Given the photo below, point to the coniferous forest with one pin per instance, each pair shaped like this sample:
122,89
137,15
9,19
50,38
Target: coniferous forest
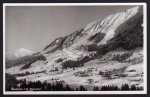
12,84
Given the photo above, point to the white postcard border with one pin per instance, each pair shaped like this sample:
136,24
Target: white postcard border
77,92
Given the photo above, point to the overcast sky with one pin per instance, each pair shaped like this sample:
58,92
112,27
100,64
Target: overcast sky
35,27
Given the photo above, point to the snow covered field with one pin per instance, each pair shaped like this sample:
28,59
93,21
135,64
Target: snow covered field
133,71
107,63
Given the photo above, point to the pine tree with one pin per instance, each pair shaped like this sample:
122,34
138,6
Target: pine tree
77,89
82,88
48,88
67,88
133,87
95,88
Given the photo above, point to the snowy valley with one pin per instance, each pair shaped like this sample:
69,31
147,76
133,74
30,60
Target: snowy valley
105,52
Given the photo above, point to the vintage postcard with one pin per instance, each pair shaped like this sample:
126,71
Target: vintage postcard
74,48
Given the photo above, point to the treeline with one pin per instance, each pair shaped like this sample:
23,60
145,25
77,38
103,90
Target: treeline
12,83
28,73
122,57
76,63
27,60
58,86
71,64
133,38
124,87
99,51
18,61
92,47
32,60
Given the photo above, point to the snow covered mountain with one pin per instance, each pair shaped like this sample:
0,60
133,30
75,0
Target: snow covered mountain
112,32
112,44
22,52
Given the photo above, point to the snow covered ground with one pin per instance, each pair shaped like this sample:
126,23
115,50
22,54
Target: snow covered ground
116,72
132,69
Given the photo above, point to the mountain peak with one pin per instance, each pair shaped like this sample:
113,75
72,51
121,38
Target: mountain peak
23,52
134,8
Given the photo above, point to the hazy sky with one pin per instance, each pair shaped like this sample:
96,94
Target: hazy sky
35,27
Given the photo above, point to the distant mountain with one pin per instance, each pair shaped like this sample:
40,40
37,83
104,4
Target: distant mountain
10,56
23,52
21,55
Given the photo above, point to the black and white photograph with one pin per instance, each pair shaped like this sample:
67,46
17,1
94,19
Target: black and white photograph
74,48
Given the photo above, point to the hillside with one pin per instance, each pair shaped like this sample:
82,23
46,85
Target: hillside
108,51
